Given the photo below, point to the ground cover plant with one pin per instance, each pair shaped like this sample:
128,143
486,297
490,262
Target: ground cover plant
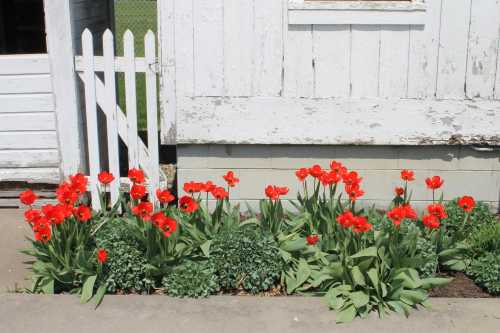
358,259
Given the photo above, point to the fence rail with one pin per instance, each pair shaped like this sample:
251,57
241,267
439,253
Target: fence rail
119,123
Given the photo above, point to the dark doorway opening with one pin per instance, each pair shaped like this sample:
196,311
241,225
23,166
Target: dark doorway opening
22,27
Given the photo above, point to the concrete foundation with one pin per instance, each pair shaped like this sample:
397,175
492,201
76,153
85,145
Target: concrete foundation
464,170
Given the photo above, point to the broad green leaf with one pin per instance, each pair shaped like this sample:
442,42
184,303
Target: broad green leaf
303,272
205,248
434,282
357,276
99,295
346,315
413,297
333,299
368,252
359,299
294,245
455,265
291,284
88,289
373,276
47,286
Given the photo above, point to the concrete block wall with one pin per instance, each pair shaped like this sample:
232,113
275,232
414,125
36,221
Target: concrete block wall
464,170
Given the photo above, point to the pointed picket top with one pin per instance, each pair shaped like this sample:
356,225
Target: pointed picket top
149,45
108,35
87,39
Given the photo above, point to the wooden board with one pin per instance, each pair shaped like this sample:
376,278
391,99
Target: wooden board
30,175
24,64
28,140
26,103
483,48
268,47
298,67
394,44
337,121
238,47
36,121
452,65
208,47
365,60
29,158
332,56
25,84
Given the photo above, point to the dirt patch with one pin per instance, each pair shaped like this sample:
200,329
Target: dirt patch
460,287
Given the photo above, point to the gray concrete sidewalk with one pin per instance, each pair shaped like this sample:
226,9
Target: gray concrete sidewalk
13,230
38,313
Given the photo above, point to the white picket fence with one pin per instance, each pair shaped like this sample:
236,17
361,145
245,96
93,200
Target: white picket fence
119,123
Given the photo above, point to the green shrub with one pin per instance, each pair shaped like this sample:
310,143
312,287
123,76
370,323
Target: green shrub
480,216
426,249
191,279
485,240
246,259
485,271
125,268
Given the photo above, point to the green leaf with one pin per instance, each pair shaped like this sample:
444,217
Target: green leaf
413,297
346,315
205,248
455,265
357,276
88,289
99,295
333,299
434,282
303,272
294,245
359,299
368,252
47,286
373,276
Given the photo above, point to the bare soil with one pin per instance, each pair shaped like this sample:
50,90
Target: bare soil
460,287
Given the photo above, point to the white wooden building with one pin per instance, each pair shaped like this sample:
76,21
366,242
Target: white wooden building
266,86
41,128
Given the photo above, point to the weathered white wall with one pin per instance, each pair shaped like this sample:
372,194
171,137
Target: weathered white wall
28,136
464,170
230,64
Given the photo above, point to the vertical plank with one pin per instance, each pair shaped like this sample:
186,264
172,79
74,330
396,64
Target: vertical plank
184,55
268,48
168,97
332,47
497,81
365,55
91,115
238,48
60,46
152,118
394,48
483,48
455,22
424,44
131,99
299,74
208,47
111,112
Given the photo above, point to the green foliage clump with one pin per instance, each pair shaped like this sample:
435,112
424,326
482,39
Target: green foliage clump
191,279
244,258
126,266
485,271
485,240
480,216
427,250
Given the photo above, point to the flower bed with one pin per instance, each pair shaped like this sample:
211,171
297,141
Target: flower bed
360,260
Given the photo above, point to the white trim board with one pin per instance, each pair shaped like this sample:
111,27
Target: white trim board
274,120
356,12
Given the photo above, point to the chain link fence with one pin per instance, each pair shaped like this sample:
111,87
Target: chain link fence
138,16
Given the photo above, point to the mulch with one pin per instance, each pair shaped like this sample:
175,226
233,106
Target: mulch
460,287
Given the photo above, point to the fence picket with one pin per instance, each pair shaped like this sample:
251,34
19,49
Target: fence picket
103,94
131,99
91,116
111,112
152,121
